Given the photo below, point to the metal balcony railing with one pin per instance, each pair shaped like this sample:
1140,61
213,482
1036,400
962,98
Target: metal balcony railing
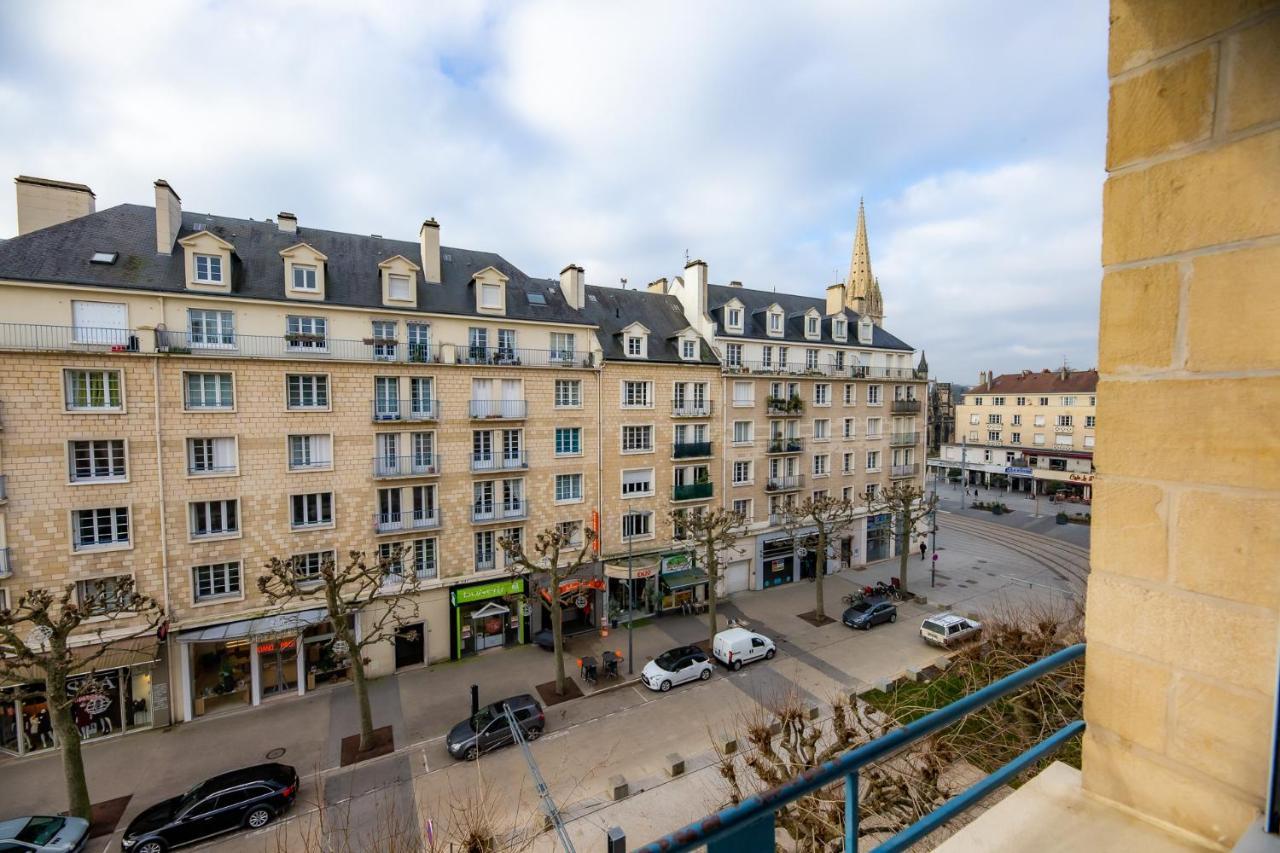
520,357
792,407
691,492
499,512
690,409
418,519
904,470
690,449
6,563
784,484
387,411
905,406
748,827
498,409
418,465
486,565
504,461
1064,429
785,444
904,438
236,345
832,370
29,336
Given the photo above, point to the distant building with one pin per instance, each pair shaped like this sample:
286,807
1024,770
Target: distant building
942,414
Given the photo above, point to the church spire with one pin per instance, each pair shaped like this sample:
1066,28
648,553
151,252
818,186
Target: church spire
861,288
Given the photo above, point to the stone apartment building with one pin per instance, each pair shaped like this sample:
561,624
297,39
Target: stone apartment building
942,414
1034,429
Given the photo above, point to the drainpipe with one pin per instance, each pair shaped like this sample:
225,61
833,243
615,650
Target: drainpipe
164,534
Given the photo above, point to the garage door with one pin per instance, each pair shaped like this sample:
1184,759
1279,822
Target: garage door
737,576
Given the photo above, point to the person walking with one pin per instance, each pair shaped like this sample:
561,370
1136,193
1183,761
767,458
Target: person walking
923,547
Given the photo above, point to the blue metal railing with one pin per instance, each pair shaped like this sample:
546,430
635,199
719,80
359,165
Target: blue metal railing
749,825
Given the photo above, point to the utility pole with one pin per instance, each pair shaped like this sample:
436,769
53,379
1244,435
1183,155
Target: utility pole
631,612
964,468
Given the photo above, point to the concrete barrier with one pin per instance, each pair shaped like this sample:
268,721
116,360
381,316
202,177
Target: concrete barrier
674,765
811,712
727,743
618,788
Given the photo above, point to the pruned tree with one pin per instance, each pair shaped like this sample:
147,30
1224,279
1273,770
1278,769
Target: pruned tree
347,591
41,640
543,561
712,531
818,522
908,504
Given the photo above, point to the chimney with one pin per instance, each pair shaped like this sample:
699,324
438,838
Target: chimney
288,223
657,286
429,238
571,285
42,202
695,282
735,284
168,217
982,377
835,299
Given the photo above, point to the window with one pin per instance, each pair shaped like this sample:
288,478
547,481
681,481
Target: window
873,460
993,435
742,506
849,428
744,393
568,441
568,487
491,296
637,395
635,346
821,429
994,419
873,427
741,472
637,525
485,553
217,580
977,401
637,439
811,327
307,391
839,360
419,337
211,455
1044,401
1063,439
822,394
214,518
563,346
1088,441
397,287
1039,420
637,482
1090,421
688,350
733,355
1064,420
93,390
311,510
306,333
742,432
1093,401
766,357
209,269
209,391
210,329
100,528
997,401
384,332
1017,420
821,465
811,359
873,395
782,358
570,533
850,395
304,277
506,345
568,393
100,596
309,452
1068,401
1021,401
1039,438
847,463
306,567
423,559
873,489
1015,438
100,460
775,322
973,435
975,418
734,320
839,329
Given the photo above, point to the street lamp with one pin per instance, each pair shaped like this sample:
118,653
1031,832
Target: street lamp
631,609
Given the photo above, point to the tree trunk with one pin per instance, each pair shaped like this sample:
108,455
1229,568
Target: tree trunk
557,634
713,573
819,607
64,725
903,554
362,688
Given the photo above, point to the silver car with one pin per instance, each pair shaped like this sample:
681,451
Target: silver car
948,629
44,834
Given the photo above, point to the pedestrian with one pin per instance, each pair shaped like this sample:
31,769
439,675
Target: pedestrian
923,547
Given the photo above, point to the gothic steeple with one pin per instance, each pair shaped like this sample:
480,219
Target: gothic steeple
861,288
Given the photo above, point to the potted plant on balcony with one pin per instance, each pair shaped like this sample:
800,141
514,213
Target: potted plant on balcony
773,402
794,404
304,338
379,342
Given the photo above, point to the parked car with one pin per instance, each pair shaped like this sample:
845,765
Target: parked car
735,646
868,613
243,799
44,834
687,663
948,629
489,729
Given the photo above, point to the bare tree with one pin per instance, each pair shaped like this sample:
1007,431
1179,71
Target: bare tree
41,640
349,591
830,518
908,504
544,561
712,531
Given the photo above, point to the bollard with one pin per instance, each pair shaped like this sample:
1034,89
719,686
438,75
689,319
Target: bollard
674,765
727,743
618,788
616,840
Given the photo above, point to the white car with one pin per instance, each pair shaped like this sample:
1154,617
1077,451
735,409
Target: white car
735,646
948,629
687,663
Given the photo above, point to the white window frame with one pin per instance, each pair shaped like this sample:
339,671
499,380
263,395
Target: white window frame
105,388
212,268
622,483
215,511
222,406
93,446
572,396
626,396
116,541
315,385
309,509
229,575
574,493
622,439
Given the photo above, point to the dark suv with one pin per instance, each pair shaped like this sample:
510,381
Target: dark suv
247,798
489,728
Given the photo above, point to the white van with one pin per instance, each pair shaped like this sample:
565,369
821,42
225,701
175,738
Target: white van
735,646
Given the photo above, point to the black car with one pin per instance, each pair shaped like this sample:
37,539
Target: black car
489,728
865,614
248,798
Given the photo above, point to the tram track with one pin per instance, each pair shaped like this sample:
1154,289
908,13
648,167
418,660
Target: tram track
1069,562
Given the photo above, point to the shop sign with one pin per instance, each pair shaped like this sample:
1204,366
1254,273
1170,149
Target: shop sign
638,571
1081,478
268,648
493,589
675,562
1018,472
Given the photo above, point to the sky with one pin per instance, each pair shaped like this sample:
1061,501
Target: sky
618,136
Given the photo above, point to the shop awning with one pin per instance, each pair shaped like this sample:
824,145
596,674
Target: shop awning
641,567
680,580
264,626
573,586
134,651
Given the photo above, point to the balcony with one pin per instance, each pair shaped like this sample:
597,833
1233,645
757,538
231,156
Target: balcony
830,370
903,439
517,357
905,407
513,461
691,492
6,563
898,472
395,522
498,410
785,444
785,484
690,449
405,411
508,511
790,407
1064,430
421,465
690,409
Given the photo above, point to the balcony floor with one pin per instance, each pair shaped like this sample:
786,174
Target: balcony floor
1052,813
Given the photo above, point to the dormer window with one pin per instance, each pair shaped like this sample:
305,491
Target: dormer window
775,323
490,296
399,280
733,316
839,329
208,269
688,350
398,288
635,341
864,331
635,346
304,270
304,278
491,291
812,325
207,261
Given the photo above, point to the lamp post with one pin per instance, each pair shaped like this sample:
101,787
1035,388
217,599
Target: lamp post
964,468
631,611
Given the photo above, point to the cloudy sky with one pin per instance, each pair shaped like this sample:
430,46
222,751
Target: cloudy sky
617,136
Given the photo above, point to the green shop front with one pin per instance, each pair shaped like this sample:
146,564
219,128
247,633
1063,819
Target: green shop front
489,615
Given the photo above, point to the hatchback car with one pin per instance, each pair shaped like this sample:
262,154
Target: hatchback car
948,629
489,729
687,663
243,799
867,614
43,834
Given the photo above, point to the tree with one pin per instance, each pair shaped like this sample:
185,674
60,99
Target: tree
830,518
348,591
908,504
545,562
712,531
40,641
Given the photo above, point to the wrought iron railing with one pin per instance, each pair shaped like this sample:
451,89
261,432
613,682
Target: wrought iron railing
789,407
500,511
785,444
418,519
904,438
520,357
784,484
905,406
393,410
831,370
498,409
417,465
499,461
690,409
904,470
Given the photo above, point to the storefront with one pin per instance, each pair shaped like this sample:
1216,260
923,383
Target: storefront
488,615
579,605
682,584
632,589
777,562
879,537
115,698
784,561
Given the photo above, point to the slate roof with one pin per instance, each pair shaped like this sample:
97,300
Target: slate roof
1046,381
60,254
755,303
613,309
